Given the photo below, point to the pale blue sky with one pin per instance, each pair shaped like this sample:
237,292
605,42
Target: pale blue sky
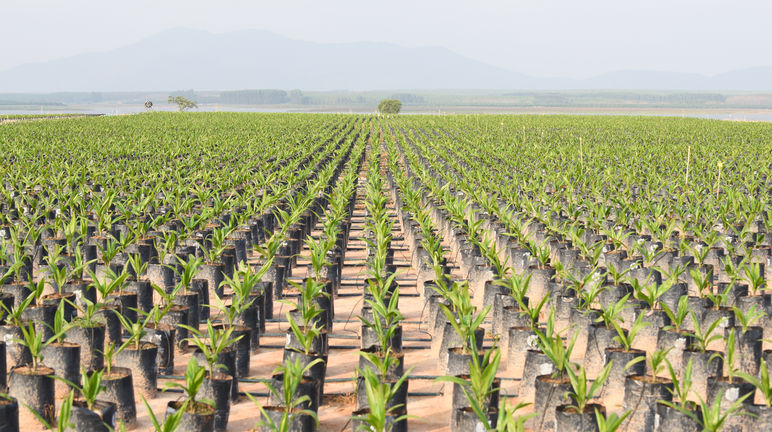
571,38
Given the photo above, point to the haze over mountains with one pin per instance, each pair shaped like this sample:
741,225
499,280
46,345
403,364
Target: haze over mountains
193,59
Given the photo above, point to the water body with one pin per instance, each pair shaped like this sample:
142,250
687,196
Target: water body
122,109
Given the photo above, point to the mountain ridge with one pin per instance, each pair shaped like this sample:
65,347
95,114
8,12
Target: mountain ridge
186,58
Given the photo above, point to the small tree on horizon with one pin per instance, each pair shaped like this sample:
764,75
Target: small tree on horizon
182,103
389,106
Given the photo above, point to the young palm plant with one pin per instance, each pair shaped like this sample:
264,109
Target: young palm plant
33,384
380,416
479,389
296,409
463,318
214,346
579,414
197,410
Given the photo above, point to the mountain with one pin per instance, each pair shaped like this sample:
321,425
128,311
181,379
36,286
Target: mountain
753,79
183,58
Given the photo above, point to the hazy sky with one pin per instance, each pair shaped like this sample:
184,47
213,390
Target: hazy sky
572,38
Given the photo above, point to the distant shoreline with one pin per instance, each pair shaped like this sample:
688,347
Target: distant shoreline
732,114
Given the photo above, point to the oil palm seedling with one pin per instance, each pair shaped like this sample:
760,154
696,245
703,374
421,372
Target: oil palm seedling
708,362
579,414
139,356
295,396
748,338
380,415
755,278
228,314
87,412
62,356
32,385
710,416
477,401
170,423
215,348
465,322
509,420
198,412
549,385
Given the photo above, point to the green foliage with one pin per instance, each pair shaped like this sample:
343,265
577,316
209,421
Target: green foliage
293,373
479,387
462,316
517,285
611,422
92,385
136,330
755,277
508,420
63,422
712,416
681,386
379,394
730,355
33,340
551,344
610,315
139,267
761,382
170,423
678,316
306,334
657,361
211,343
649,292
109,354
12,316
386,318
183,103
704,338
389,106
626,337
580,393
748,318
544,180
194,378
60,325
110,284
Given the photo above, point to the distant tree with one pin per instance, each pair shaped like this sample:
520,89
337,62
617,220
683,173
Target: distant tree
183,103
389,106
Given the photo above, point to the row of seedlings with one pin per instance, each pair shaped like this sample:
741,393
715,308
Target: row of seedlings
296,389
100,318
471,370
547,347
648,294
475,388
221,346
225,346
548,339
381,377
